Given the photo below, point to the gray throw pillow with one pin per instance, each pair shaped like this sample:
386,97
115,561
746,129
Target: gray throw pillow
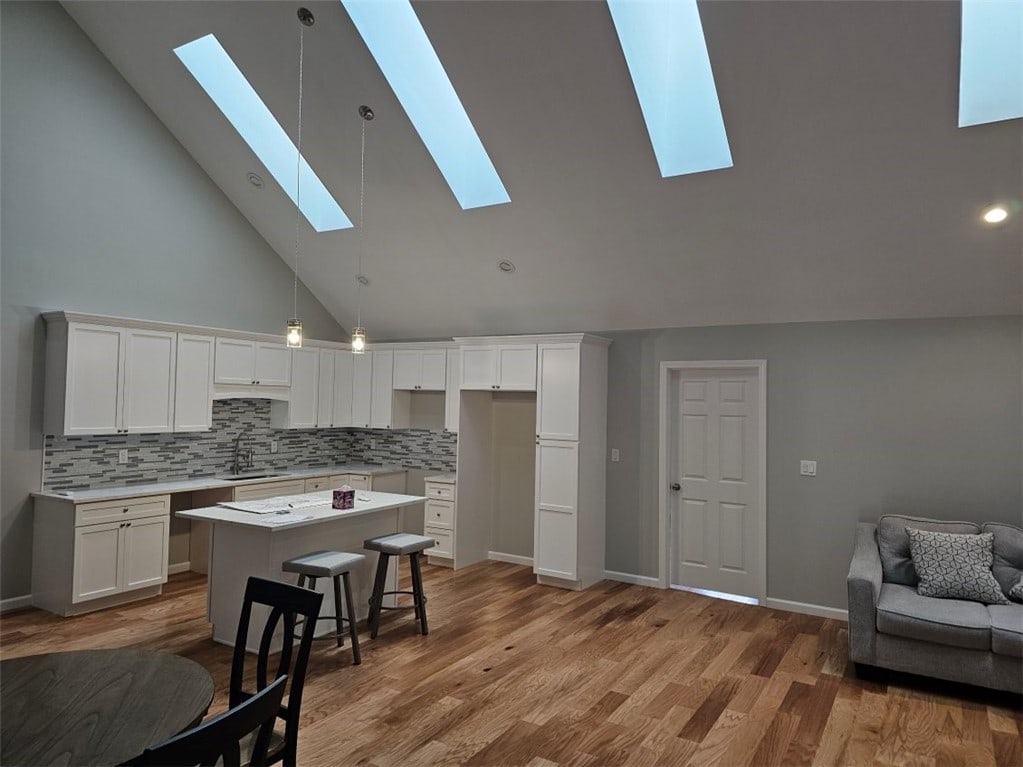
1016,592
955,566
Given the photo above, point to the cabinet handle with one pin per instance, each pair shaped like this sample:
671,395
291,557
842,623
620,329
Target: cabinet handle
127,524
124,511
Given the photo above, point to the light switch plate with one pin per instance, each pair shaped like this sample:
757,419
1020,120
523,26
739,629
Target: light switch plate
122,456
808,468
615,455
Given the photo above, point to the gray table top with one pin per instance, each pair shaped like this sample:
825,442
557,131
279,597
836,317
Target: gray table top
93,707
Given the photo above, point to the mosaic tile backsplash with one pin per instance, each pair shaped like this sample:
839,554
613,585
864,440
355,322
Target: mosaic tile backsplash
85,463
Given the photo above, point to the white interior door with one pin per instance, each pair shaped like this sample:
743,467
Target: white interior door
714,474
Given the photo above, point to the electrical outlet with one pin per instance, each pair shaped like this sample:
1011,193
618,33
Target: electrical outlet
615,455
808,468
122,456
273,446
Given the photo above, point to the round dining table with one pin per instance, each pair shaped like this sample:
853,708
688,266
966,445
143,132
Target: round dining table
96,707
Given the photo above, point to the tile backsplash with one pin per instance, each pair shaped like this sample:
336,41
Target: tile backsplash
83,463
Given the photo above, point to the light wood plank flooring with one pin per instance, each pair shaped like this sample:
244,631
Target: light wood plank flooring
514,673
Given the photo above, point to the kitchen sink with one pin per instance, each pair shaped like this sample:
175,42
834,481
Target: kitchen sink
251,475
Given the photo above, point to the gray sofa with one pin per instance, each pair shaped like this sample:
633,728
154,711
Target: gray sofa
893,627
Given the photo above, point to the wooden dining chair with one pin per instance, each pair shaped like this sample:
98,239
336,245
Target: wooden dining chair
287,605
217,741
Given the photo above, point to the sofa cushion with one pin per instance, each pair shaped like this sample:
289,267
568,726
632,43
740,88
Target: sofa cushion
1007,629
893,544
902,612
1016,592
1008,549
954,566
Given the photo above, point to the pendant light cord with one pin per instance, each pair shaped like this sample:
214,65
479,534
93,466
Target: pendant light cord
362,229
298,162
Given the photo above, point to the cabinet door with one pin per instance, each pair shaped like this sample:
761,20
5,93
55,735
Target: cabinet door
193,383
383,390
97,561
144,544
325,392
555,546
273,364
407,369
432,369
95,356
235,361
344,386
149,360
452,400
479,367
557,391
517,367
362,389
304,388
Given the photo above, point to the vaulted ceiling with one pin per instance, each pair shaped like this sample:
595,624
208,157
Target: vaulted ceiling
853,194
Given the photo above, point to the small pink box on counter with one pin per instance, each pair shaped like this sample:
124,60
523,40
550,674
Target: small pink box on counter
344,498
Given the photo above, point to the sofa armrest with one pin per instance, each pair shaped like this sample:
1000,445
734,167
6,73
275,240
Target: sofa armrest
864,585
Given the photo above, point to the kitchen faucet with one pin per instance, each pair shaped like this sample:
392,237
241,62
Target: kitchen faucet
238,464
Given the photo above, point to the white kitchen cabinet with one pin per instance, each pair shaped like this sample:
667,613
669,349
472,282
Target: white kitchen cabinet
555,542
325,389
299,411
260,490
88,556
244,363
510,367
420,369
344,387
382,390
439,518
557,391
362,389
193,387
104,379
451,392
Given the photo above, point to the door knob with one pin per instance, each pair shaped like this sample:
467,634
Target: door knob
676,486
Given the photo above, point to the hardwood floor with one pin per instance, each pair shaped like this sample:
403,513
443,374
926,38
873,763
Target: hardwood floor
514,673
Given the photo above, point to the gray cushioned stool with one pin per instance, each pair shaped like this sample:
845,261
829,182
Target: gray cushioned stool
398,544
336,565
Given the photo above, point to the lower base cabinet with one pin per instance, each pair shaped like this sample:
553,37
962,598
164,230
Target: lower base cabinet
88,556
439,518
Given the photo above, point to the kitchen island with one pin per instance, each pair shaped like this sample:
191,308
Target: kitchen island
245,543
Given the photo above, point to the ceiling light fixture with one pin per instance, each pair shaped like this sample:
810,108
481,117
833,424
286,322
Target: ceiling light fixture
506,266
996,214
293,335
359,334
256,180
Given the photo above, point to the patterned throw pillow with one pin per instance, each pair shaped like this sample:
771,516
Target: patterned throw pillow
955,566
1016,592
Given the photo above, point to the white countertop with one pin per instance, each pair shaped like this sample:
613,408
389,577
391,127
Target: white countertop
211,483
366,502
447,479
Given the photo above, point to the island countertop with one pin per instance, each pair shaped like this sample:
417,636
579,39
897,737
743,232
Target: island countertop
366,502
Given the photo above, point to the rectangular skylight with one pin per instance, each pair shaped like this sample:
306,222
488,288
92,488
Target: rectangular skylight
667,57
398,42
210,65
991,61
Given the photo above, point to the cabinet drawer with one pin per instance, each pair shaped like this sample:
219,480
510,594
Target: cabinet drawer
440,514
317,483
269,490
445,541
443,492
118,511
360,481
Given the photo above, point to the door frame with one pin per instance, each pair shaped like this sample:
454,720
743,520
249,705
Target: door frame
759,367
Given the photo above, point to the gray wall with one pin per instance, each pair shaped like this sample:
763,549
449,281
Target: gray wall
914,416
103,212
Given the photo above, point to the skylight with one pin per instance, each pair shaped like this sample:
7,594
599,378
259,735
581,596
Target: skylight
991,62
214,70
667,57
403,52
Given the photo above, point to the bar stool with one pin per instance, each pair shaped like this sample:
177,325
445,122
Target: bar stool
336,565
398,544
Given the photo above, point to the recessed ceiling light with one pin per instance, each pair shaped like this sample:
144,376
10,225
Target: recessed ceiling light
256,180
362,279
996,214
506,266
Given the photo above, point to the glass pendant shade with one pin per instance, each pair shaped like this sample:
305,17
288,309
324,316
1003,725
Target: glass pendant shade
359,340
294,335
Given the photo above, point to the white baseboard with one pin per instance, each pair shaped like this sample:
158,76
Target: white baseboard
638,580
180,567
513,559
808,609
15,603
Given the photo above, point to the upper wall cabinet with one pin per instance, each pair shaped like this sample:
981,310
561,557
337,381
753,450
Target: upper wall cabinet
193,389
325,389
250,363
510,367
102,379
451,394
382,390
420,369
362,389
557,391
299,411
344,387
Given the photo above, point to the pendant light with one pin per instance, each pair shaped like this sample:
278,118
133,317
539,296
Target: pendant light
359,334
293,335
